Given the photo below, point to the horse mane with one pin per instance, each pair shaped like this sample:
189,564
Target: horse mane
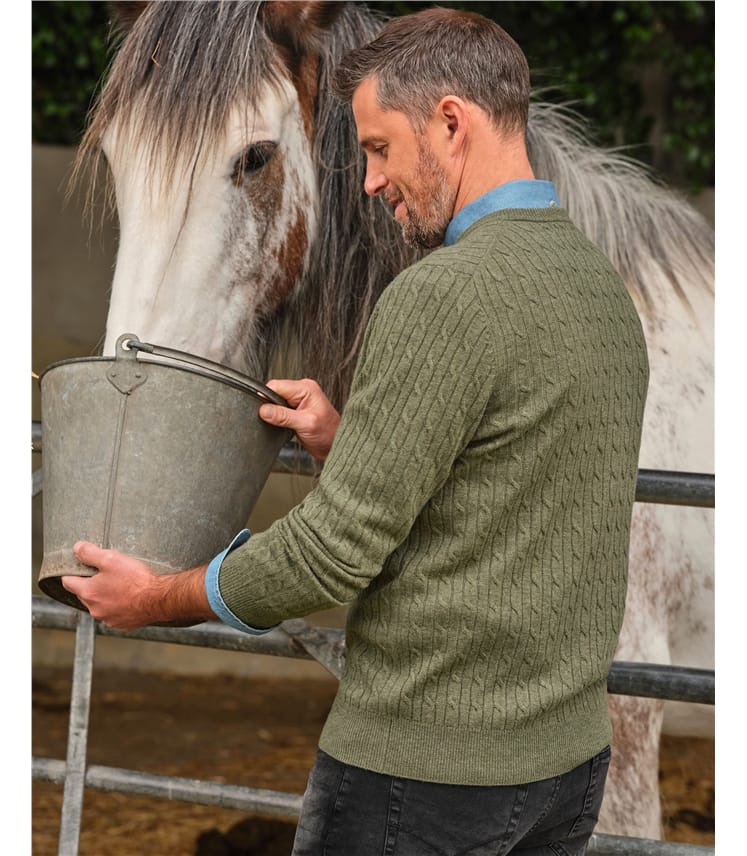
643,227
359,249
650,232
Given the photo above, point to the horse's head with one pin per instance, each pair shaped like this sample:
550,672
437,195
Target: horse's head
219,135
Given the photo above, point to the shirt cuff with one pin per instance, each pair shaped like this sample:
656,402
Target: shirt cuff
217,604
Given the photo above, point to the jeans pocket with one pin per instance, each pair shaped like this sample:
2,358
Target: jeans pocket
550,800
587,819
326,782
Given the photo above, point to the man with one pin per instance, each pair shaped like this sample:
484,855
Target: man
475,502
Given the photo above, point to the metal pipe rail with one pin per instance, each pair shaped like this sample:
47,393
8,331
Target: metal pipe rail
651,680
260,801
654,486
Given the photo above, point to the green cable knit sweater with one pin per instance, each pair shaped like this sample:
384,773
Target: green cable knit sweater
474,510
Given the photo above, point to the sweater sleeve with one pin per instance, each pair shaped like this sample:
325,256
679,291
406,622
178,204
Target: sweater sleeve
423,379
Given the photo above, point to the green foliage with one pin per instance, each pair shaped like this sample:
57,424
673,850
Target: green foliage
641,72
69,55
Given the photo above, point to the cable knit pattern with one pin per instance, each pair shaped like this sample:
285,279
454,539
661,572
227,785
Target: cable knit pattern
474,510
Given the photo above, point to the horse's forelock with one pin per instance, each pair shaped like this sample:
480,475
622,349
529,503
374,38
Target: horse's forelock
180,70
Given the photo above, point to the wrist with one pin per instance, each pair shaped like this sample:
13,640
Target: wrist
181,597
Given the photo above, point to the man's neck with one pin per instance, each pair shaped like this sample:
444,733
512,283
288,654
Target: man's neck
490,162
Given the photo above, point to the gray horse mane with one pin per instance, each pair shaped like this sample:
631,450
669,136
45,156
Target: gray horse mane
650,232
640,225
360,247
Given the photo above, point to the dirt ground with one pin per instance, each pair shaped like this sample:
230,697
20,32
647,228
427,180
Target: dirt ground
260,733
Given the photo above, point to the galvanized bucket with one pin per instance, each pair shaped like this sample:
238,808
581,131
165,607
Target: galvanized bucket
161,457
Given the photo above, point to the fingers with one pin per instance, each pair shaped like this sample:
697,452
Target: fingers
275,415
75,585
91,555
121,594
295,392
311,415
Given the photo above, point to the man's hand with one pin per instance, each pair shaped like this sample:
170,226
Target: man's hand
314,419
126,594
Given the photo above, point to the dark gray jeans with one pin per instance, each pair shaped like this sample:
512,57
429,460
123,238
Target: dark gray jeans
348,811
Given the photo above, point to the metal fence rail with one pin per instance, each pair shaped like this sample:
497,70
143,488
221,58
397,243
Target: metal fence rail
656,486
650,680
326,645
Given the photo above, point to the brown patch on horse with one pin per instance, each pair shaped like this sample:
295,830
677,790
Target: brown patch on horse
267,197
307,87
295,29
297,25
291,257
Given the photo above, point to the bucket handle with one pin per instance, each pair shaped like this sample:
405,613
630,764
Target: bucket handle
130,342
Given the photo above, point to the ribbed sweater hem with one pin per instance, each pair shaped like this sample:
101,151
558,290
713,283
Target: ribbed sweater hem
434,753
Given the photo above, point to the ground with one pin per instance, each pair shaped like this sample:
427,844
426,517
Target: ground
266,738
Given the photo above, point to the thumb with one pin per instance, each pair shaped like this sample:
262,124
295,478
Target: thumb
273,414
87,553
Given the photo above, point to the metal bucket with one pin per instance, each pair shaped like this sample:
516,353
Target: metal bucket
159,459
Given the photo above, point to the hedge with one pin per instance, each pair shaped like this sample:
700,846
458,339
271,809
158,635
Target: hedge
641,73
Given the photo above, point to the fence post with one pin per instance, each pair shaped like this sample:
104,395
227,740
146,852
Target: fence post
80,703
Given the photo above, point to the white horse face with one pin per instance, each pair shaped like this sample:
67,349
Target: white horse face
208,250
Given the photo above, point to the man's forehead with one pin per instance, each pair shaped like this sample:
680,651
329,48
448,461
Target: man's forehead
375,125
365,101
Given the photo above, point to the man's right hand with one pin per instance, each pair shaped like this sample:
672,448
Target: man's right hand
313,418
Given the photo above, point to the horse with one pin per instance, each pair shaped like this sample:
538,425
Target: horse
245,237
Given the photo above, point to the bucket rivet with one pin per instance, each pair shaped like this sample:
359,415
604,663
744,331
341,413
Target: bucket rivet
138,374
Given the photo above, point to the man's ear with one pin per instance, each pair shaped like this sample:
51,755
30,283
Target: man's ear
451,120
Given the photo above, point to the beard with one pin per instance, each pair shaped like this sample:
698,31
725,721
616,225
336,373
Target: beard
431,204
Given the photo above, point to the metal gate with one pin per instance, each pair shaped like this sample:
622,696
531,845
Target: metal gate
296,638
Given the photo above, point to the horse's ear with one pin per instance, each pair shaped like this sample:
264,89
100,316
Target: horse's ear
297,24
124,14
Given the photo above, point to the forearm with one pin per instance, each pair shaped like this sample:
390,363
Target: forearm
183,597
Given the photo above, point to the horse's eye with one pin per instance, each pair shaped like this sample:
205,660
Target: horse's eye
253,158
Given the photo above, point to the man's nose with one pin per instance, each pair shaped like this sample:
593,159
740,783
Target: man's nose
375,181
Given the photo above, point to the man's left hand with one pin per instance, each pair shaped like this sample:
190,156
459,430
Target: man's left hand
126,594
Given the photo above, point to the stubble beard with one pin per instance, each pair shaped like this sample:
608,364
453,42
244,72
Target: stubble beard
430,213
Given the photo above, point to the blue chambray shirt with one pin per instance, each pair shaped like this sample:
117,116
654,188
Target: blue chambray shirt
523,193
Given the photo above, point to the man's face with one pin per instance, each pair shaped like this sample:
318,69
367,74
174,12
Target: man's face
403,168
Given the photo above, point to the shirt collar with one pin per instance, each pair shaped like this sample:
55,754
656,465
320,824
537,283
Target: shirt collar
523,193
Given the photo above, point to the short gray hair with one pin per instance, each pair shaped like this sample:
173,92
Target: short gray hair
418,59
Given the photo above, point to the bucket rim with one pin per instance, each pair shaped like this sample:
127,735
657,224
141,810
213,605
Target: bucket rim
237,380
